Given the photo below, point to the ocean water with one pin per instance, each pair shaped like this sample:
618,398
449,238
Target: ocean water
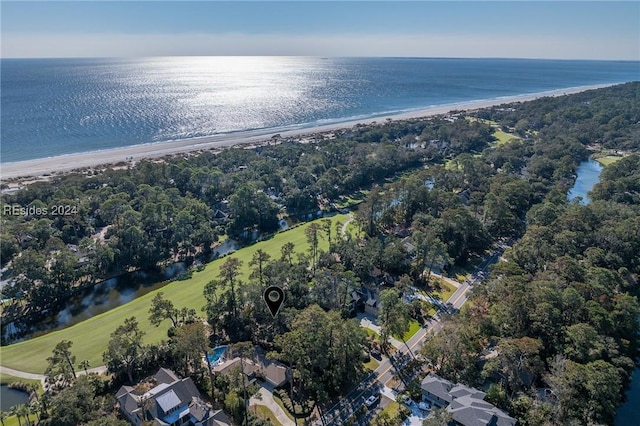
60,106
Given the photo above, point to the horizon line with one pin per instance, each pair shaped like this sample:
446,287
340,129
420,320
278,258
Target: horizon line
325,57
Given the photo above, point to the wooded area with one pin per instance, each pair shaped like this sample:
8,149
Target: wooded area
554,329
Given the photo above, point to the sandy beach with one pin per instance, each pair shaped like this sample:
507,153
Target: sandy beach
65,163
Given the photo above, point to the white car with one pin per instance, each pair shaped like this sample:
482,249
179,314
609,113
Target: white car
424,406
369,402
405,399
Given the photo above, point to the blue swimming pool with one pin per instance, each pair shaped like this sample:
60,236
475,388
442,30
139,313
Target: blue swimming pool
218,354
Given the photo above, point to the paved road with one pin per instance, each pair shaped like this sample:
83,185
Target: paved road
373,383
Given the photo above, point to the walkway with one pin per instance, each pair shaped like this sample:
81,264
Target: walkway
344,225
21,374
367,322
265,397
451,281
24,375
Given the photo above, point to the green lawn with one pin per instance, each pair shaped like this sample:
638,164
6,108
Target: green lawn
482,120
503,137
372,364
461,273
445,291
7,379
91,336
609,159
371,333
13,420
413,329
265,414
392,410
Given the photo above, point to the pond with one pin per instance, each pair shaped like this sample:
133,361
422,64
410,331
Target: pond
10,397
588,175
99,298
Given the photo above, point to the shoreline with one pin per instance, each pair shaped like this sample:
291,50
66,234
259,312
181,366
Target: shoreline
41,167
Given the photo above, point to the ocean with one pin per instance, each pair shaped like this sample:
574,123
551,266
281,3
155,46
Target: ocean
52,107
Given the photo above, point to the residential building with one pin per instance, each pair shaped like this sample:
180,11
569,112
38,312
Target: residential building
466,405
168,401
273,372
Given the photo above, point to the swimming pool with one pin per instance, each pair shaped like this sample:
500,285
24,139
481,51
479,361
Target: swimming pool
217,356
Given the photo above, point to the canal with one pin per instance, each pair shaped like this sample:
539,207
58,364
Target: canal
588,175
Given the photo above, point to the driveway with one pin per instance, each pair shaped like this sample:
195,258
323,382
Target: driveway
265,397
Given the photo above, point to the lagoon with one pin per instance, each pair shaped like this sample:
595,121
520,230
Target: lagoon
10,397
588,175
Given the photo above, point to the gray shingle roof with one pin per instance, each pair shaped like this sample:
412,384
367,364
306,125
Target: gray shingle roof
166,376
466,404
437,386
167,396
470,411
460,390
168,400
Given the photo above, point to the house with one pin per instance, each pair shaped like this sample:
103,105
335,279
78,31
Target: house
466,405
371,304
170,402
270,370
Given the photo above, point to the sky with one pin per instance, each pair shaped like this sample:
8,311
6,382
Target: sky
504,29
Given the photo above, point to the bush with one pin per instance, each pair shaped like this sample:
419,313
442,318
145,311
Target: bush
301,409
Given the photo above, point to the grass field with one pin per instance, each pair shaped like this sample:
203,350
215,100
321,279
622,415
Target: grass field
7,379
264,413
503,137
90,337
609,159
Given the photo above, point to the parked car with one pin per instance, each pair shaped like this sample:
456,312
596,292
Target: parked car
424,406
372,400
405,399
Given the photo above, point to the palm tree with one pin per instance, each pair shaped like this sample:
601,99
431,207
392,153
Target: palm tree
20,410
145,404
34,391
14,411
24,410
36,408
3,415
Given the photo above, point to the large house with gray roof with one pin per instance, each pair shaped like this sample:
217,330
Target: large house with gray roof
466,405
170,402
